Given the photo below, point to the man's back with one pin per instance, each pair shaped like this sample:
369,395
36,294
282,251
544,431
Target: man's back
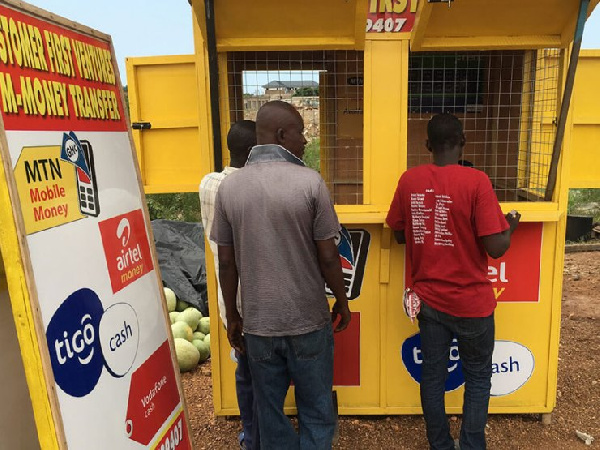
274,211
446,210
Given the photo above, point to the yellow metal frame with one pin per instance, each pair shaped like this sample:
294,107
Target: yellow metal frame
28,333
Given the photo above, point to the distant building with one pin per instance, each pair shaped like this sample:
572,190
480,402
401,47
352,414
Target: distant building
277,87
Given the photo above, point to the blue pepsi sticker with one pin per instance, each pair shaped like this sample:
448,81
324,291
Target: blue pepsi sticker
353,247
74,343
71,151
412,357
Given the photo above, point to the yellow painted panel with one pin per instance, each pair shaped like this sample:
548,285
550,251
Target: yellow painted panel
41,389
166,92
511,24
280,24
530,324
385,121
366,396
171,158
585,140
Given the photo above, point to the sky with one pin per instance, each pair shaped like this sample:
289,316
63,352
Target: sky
164,27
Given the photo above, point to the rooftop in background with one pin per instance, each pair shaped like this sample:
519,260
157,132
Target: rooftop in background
276,84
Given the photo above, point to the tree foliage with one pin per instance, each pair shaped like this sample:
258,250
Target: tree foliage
307,91
181,206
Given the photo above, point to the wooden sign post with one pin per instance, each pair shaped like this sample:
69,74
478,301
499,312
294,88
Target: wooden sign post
76,244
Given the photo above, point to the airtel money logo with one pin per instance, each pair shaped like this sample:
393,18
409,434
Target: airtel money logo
72,336
126,248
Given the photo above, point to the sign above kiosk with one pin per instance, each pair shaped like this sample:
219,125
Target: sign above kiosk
277,24
508,24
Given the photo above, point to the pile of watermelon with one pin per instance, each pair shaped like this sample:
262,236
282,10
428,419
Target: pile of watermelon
191,332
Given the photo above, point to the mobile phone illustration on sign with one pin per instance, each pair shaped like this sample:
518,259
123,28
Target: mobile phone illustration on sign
81,155
87,187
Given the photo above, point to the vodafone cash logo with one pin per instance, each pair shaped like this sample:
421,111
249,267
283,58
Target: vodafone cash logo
126,248
72,336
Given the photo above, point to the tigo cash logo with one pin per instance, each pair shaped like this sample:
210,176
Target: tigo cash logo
72,336
126,247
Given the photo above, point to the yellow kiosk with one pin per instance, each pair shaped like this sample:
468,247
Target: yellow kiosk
367,75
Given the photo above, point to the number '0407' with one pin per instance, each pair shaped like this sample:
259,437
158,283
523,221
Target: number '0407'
174,438
389,25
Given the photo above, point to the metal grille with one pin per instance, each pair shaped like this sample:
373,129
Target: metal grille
508,103
326,87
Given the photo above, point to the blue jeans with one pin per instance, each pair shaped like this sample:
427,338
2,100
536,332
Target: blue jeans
475,337
246,402
307,360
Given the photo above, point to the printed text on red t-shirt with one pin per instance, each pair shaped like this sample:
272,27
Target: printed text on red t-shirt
421,214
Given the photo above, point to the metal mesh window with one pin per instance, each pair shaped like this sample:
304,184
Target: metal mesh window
327,89
508,103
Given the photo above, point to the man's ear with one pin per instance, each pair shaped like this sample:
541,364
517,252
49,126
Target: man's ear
427,146
280,135
463,140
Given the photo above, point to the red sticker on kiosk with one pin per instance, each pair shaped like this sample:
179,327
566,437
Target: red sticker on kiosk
346,357
153,396
391,16
515,277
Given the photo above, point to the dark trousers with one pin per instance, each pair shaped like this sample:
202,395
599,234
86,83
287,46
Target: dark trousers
247,403
475,345
307,360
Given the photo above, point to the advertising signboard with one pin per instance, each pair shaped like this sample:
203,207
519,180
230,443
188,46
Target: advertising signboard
391,16
86,242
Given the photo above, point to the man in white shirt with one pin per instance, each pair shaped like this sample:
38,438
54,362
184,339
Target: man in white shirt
240,140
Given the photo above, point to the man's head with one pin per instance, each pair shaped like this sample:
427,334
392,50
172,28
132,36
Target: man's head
240,140
445,134
279,123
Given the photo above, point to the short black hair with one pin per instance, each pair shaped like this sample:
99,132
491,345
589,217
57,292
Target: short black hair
241,137
445,131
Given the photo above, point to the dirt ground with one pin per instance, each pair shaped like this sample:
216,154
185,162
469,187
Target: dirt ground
578,402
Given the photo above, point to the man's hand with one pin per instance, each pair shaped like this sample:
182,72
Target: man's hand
234,334
513,219
497,244
342,310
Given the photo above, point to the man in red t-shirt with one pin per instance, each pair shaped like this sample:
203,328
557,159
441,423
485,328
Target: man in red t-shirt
449,217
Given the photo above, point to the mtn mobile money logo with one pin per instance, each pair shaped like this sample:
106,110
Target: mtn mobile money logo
72,336
80,155
353,247
126,248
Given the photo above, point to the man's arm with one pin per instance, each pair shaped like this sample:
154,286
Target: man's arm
400,237
331,268
497,244
228,278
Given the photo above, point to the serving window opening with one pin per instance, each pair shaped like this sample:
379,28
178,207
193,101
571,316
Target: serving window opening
326,87
508,102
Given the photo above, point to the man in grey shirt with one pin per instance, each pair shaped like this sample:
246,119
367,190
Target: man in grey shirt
275,227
